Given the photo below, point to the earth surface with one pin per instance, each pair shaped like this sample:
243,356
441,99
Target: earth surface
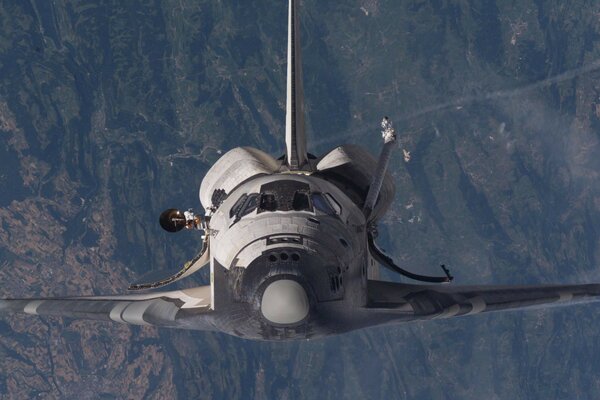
111,111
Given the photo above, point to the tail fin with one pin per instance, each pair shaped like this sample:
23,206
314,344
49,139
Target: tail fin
295,136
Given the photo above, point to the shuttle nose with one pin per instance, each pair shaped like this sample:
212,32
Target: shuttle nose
284,302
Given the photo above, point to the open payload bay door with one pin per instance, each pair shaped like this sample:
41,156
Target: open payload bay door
194,265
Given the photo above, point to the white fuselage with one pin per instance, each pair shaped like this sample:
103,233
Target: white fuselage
310,233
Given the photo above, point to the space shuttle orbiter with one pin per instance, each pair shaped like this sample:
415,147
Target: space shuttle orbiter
290,243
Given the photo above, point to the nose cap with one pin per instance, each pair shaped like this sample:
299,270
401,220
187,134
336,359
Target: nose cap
284,302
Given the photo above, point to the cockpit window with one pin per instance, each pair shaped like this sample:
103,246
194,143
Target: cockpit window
320,203
244,205
298,200
250,205
238,205
301,202
325,203
267,202
285,195
333,202
284,200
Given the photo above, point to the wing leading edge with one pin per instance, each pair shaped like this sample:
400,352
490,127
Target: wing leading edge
166,309
431,301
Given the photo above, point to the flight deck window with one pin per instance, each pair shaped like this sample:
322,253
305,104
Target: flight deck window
301,202
322,204
250,205
267,202
244,206
237,206
333,202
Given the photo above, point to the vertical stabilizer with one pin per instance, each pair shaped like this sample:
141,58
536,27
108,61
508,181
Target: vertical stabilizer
295,137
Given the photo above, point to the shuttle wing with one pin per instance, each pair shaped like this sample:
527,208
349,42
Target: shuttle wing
444,301
168,309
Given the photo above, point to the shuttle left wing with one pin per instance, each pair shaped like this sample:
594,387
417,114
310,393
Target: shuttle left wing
168,309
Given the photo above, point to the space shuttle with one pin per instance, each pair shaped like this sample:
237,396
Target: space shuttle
291,247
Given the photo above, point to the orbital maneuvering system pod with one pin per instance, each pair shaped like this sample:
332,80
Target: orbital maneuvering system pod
290,243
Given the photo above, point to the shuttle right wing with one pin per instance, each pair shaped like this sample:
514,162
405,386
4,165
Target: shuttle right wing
445,301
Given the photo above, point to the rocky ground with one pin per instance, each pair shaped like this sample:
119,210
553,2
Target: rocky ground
112,111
